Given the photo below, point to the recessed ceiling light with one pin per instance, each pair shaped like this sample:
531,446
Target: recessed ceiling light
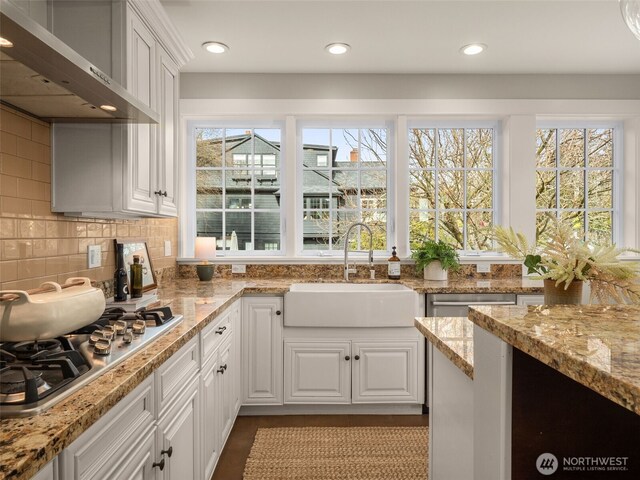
215,47
473,48
108,108
5,43
337,48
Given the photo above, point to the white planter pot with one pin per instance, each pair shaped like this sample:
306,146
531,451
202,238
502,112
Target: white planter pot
434,271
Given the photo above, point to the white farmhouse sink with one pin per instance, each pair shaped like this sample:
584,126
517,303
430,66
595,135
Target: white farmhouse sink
350,305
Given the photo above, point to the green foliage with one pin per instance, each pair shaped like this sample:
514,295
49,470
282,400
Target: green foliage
430,250
564,257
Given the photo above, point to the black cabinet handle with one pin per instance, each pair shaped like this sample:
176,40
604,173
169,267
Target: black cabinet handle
220,330
168,451
347,358
159,464
161,193
278,312
164,194
222,369
357,357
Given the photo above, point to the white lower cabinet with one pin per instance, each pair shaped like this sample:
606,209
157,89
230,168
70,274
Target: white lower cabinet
317,372
343,372
48,472
174,424
178,436
210,391
262,328
119,445
385,372
220,381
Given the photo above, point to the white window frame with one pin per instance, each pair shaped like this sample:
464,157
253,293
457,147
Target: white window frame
346,123
618,166
190,223
496,126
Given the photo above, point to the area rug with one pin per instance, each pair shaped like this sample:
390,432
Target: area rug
327,453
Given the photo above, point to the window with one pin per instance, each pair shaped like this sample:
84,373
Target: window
237,187
574,180
342,169
451,179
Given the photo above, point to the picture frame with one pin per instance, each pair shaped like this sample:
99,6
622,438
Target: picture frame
135,246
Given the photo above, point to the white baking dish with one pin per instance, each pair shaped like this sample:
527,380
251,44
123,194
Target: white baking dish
50,311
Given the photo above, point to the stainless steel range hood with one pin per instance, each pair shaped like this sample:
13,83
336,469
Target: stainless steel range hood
43,76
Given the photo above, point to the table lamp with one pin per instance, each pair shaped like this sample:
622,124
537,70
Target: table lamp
205,249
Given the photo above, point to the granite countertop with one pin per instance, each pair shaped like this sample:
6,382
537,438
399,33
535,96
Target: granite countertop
27,444
453,336
596,345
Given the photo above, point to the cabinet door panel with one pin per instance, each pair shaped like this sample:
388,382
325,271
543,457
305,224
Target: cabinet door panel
179,430
262,351
168,136
138,465
385,372
225,377
210,386
141,72
317,372
236,325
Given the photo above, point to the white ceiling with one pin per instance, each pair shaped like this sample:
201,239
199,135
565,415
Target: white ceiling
421,36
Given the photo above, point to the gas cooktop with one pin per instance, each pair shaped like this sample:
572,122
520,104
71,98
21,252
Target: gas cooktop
36,375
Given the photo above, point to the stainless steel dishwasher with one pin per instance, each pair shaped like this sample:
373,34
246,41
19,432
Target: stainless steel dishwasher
457,305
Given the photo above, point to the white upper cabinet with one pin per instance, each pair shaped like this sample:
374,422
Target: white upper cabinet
142,71
167,166
125,171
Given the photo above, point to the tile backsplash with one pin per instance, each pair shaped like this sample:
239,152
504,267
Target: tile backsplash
37,245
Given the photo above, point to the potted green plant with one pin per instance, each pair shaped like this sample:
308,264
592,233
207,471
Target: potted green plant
435,259
565,261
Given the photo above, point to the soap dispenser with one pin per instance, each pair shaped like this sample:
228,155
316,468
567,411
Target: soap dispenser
393,266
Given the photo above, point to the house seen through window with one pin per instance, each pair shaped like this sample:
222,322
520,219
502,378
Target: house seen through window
238,188
344,180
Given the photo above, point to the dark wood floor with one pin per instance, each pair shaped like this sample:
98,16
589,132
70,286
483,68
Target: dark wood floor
235,453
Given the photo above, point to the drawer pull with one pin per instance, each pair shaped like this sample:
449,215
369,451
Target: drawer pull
222,369
278,312
220,330
168,451
357,357
159,464
347,358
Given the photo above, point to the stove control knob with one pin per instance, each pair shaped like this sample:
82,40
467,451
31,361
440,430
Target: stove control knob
120,327
95,337
108,333
127,337
139,326
102,347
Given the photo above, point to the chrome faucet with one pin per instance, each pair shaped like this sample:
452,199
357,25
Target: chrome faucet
348,270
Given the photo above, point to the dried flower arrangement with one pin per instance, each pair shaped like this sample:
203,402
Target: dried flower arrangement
564,257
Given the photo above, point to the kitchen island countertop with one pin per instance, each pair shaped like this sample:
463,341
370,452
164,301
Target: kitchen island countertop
453,336
28,444
598,346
